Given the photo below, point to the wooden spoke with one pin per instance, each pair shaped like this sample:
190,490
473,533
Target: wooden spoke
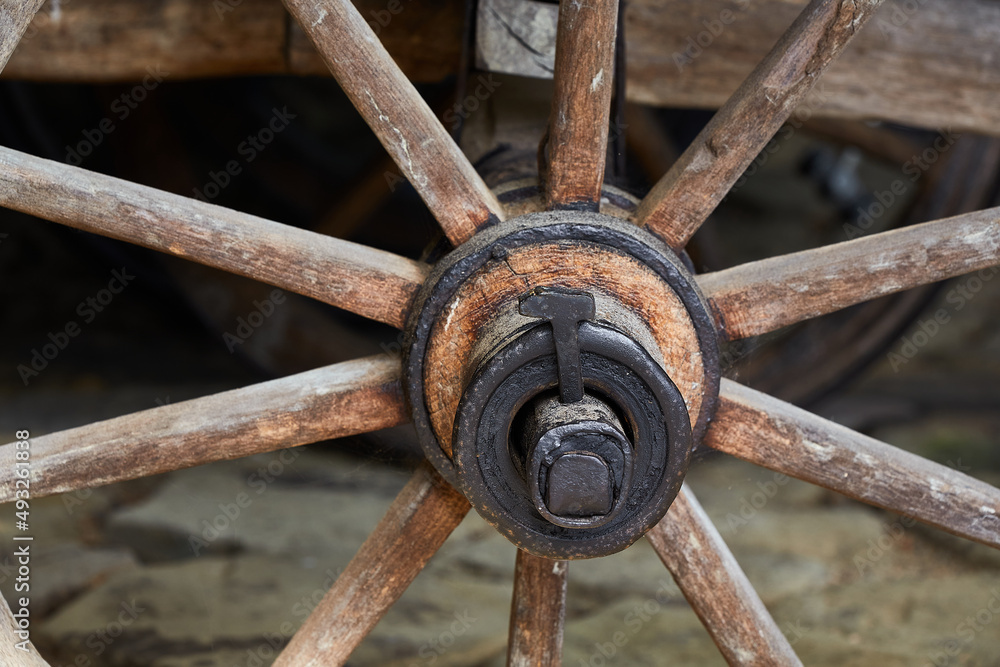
15,15
344,399
421,518
537,612
369,282
685,196
403,122
715,585
767,432
578,124
762,296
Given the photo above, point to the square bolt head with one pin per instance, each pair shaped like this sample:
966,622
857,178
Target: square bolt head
579,485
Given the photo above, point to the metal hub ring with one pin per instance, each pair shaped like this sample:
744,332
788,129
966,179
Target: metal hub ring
467,377
615,368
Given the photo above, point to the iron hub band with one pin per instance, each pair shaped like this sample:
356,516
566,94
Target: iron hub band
636,463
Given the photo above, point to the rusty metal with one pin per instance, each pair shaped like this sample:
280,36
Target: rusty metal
489,463
619,475
578,462
564,310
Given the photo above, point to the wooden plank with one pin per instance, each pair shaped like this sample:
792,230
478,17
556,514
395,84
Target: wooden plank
762,296
369,282
418,522
537,612
681,201
10,654
15,15
931,67
581,104
767,432
339,400
425,40
716,587
517,37
406,126
116,40
931,63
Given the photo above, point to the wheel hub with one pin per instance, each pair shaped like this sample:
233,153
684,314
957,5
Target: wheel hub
559,368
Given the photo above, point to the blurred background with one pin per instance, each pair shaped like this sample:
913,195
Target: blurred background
155,572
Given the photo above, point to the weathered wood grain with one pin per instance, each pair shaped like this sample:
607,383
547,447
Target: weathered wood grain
517,37
610,275
10,655
932,67
369,282
424,39
116,40
537,612
406,126
339,400
581,104
15,15
762,296
418,522
767,432
716,587
930,63
681,201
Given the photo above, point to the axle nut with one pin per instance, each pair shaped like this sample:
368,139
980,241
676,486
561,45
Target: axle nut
579,485
579,462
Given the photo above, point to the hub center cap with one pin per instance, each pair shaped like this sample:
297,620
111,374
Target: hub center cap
559,368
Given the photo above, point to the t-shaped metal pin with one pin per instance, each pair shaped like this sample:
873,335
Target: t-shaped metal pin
564,309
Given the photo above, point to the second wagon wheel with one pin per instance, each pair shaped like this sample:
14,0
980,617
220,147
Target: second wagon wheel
561,363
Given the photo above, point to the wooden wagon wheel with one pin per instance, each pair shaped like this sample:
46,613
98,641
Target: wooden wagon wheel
578,251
